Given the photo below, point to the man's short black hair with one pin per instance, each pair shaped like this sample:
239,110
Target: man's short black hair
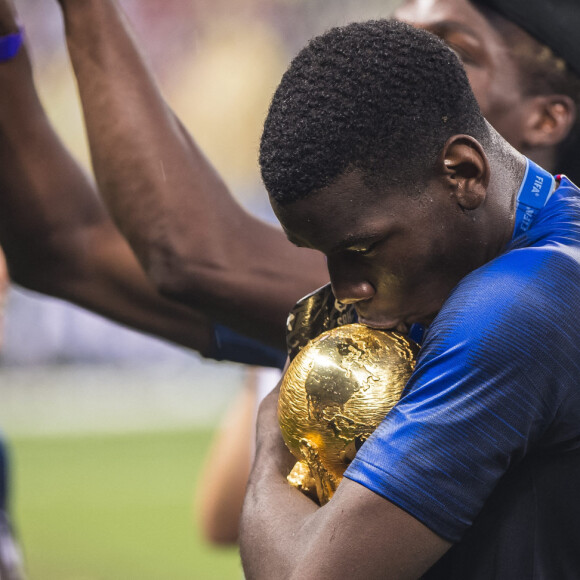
380,97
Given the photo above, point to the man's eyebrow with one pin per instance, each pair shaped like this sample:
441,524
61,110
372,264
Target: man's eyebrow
447,27
450,26
443,26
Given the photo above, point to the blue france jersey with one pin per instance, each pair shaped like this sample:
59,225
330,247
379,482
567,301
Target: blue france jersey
484,446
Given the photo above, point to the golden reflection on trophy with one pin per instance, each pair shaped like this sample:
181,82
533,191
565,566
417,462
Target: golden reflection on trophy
335,393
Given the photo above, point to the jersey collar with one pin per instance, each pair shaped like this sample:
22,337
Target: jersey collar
536,189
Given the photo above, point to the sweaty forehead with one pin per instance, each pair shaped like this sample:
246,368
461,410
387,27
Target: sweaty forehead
340,214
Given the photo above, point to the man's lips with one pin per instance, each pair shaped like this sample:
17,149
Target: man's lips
387,324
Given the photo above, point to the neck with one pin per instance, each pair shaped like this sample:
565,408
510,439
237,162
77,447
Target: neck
544,157
508,167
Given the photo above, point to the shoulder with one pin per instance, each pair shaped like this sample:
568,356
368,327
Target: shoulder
514,321
525,286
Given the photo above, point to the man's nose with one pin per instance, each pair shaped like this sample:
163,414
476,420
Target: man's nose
349,283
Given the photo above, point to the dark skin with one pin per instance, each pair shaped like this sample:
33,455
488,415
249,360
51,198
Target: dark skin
57,237
285,535
465,217
264,275
487,44
74,251
156,184
399,272
166,198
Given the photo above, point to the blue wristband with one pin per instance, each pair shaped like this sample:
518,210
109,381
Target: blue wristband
10,45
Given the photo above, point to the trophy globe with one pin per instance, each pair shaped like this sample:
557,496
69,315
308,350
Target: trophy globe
335,393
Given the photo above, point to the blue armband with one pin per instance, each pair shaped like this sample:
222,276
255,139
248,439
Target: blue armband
10,45
234,347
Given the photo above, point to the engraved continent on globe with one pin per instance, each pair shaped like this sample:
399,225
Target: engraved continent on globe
334,394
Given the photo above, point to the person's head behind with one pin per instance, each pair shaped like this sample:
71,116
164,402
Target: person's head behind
549,81
379,97
523,66
374,152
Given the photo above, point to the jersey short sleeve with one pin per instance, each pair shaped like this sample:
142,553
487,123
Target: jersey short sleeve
495,367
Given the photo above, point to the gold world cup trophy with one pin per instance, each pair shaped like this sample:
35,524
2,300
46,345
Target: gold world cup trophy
335,393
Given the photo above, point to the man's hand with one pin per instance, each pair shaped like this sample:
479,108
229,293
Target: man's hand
269,442
356,535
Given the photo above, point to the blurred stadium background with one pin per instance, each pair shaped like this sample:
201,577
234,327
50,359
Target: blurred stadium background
108,429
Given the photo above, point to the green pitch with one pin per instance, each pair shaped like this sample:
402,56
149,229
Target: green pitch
114,507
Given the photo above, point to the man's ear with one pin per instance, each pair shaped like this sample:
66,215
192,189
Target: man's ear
549,120
465,169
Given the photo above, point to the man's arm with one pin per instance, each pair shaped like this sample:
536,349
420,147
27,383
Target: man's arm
356,535
193,239
56,235
219,494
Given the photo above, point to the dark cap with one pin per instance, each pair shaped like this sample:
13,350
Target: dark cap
555,23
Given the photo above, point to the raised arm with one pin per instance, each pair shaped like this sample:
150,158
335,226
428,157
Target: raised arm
55,233
356,535
193,239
